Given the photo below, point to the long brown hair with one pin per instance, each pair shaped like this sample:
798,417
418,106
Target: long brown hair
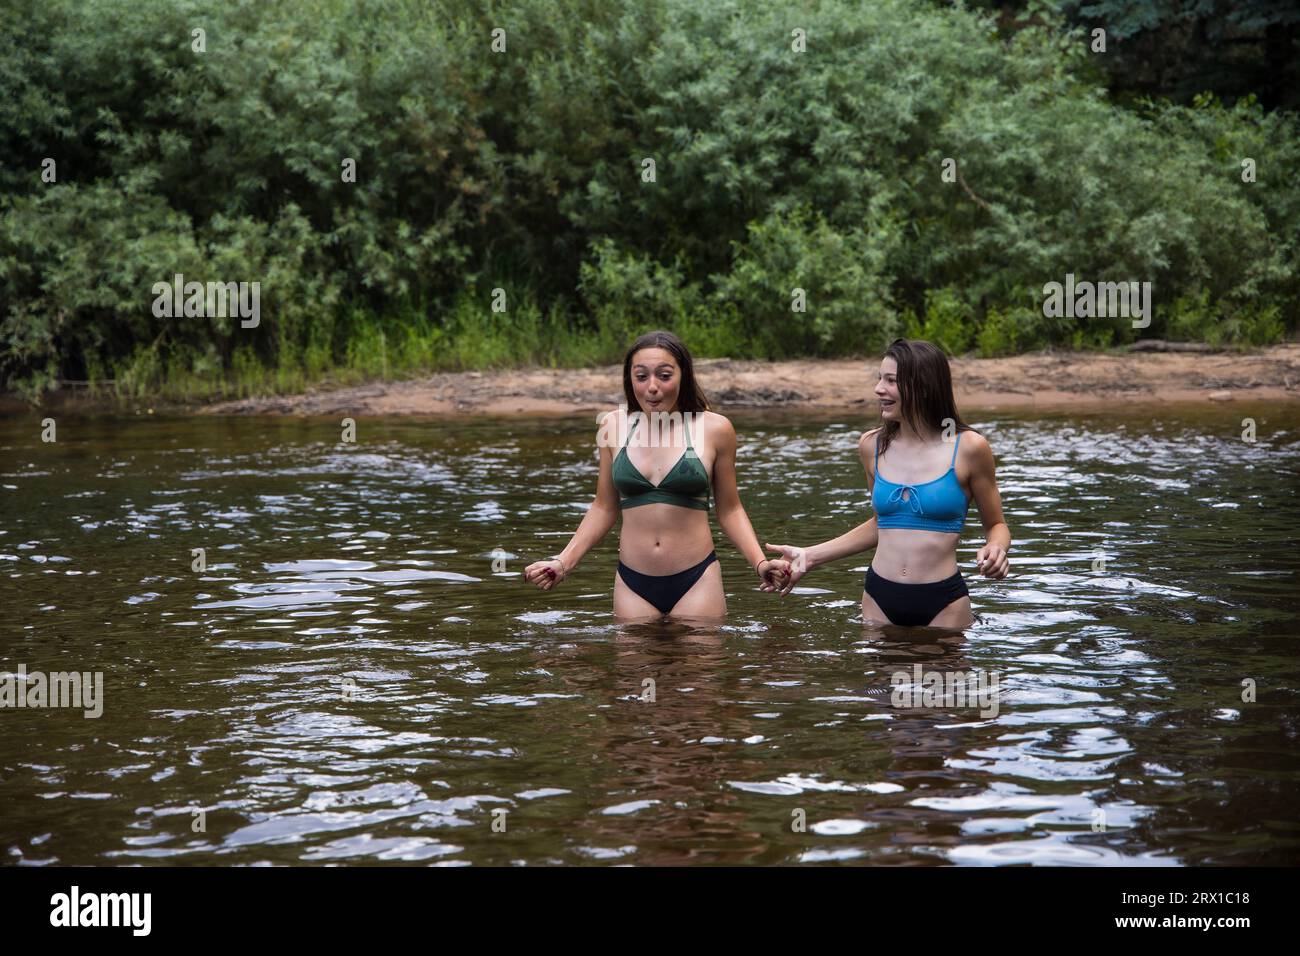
924,388
690,397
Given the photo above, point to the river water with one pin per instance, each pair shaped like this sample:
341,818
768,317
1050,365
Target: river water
358,674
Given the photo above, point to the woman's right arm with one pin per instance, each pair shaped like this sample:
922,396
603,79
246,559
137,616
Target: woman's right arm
601,515
862,538
802,560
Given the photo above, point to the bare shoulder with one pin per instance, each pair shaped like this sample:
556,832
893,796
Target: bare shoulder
608,434
975,449
714,431
867,452
717,426
975,442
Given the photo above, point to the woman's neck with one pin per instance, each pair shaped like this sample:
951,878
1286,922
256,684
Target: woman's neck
922,436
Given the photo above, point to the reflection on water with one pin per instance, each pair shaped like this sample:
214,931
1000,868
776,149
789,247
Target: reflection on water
358,675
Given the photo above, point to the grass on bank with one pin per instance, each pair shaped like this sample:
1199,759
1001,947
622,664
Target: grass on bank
359,346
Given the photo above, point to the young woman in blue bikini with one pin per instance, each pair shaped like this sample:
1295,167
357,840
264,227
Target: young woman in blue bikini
913,578
667,564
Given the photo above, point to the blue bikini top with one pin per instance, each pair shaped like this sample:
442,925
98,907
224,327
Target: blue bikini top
938,505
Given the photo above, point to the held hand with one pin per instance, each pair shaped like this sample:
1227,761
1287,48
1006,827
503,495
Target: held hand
796,560
546,574
774,573
991,561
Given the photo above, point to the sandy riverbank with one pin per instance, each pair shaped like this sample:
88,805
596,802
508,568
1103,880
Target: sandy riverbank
1040,380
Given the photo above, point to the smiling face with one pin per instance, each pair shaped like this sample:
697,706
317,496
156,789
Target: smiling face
887,391
656,379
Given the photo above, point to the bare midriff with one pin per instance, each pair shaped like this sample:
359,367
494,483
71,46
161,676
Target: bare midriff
664,539
915,557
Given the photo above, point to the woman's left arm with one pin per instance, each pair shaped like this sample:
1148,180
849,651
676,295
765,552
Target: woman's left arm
731,513
991,559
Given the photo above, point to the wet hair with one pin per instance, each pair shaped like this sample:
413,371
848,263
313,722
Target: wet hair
690,398
924,388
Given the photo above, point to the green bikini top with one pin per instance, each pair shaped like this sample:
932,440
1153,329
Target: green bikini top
686,485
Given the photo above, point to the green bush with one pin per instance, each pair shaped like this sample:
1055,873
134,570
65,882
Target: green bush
914,160
799,259
949,321
1007,331
627,292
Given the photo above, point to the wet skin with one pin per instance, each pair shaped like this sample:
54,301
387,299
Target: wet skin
916,455
660,538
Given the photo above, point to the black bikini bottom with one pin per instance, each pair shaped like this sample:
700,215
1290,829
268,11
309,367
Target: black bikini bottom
913,605
664,590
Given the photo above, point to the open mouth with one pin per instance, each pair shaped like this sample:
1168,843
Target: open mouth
886,403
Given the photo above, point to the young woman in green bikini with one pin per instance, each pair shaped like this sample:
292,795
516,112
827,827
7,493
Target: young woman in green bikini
914,579
667,564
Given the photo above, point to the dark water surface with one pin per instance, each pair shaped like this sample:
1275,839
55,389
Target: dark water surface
351,681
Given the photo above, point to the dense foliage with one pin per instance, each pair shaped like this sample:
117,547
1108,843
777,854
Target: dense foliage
524,171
